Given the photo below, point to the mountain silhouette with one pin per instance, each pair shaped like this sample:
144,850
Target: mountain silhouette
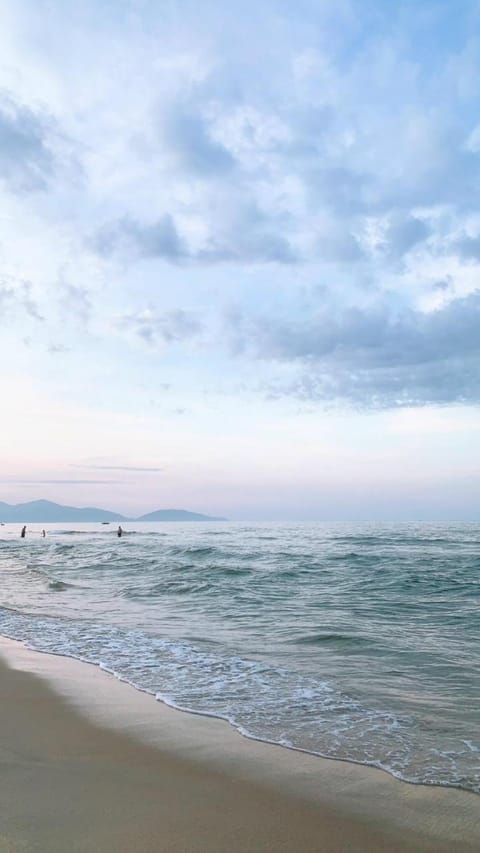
47,511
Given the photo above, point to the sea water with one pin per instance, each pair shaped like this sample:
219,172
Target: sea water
356,642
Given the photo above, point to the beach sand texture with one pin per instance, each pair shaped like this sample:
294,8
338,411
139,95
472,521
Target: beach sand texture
105,768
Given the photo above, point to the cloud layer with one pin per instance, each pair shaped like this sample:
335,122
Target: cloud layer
309,174
375,357
26,160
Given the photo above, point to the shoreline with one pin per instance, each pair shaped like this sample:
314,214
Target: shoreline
327,804
190,712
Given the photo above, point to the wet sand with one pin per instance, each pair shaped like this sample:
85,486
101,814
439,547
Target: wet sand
90,764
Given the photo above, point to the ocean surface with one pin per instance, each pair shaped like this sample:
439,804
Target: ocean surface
358,642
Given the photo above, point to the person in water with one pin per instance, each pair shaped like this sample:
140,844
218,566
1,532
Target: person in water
119,531
43,534
24,530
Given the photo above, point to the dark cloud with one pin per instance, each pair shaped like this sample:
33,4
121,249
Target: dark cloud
189,138
342,189
118,468
131,238
404,232
168,328
16,295
57,349
468,248
26,161
376,357
337,244
436,383
27,303
247,236
64,482
443,284
250,245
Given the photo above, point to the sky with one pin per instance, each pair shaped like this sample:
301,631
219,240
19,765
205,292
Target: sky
240,256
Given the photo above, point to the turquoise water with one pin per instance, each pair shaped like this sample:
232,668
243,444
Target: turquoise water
359,642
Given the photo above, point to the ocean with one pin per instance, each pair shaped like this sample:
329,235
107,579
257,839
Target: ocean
358,642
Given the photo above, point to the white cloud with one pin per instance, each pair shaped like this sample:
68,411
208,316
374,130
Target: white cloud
311,169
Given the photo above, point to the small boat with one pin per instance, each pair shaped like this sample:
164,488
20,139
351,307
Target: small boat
104,522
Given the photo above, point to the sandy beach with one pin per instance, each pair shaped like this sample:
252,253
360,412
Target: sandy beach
90,764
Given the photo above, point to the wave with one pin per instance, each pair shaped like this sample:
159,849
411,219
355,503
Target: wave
318,639
194,550
392,628
165,588
348,555
53,583
256,698
396,540
233,571
63,532
59,586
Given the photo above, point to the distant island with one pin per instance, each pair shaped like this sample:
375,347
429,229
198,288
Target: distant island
178,515
44,512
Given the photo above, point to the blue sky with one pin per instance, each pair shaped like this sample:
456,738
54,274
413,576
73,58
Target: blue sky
239,256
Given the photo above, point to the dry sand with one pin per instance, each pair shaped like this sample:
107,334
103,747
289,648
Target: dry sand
90,764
